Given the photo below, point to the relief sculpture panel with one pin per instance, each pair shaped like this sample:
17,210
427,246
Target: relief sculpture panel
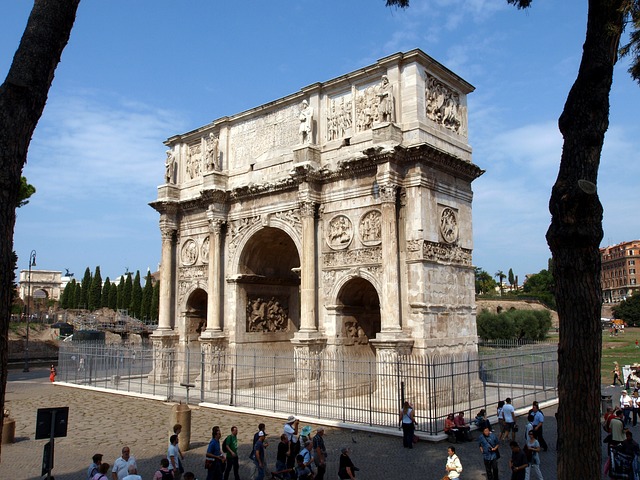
370,228
340,232
267,315
443,105
339,117
189,252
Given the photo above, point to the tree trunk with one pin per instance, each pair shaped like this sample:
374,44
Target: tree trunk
574,238
22,99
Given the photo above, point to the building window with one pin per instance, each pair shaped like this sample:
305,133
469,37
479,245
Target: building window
632,271
632,262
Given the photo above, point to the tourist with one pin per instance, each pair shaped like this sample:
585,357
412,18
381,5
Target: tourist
177,428
133,473
629,446
291,431
408,421
606,419
538,420
52,373
261,428
214,453
450,428
518,463
281,457
302,471
95,466
163,473
531,450
453,466
625,405
307,456
481,420
173,455
489,446
121,465
617,430
635,405
346,468
501,419
462,425
509,414
102,472
230,448
260,460
529,427
616,374
320,453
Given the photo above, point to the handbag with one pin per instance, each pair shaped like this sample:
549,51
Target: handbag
208,463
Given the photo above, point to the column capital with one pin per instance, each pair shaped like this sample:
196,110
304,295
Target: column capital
388,193
308,208
215,225
168,232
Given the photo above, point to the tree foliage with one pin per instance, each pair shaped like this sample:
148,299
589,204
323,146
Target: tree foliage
514,324
629,310
136,296
95,291
484,282
147,298
541,285
155,304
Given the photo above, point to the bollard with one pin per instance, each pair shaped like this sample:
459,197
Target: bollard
181,413
8,430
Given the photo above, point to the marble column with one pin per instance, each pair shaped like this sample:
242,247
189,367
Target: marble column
167,263
390,301
214,297
308,287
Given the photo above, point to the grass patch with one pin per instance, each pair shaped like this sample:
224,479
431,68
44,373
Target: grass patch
621,349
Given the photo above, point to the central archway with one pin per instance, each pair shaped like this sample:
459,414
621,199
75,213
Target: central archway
269,278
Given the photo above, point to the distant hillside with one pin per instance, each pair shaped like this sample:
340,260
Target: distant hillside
495,305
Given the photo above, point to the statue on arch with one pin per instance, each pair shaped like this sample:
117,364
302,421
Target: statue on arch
306,123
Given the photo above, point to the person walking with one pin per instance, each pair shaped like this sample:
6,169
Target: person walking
214,453
346,468
291,431
616,374
489,447
509,414
625,405
261,460
538,420
518,463
95,466
531,450
230,448
453,466
173,455
320,454
121,465
407,420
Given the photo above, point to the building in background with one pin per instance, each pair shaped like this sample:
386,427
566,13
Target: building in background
620,276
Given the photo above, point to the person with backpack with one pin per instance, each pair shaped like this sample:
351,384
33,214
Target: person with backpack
163,473
102,472
230,448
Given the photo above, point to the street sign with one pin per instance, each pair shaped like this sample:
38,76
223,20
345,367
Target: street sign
52,421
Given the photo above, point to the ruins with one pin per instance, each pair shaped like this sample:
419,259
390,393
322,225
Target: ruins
335,219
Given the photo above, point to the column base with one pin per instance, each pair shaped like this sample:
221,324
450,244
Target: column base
164,343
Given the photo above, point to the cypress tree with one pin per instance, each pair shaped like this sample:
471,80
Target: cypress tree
147,297
113,297
95,291
126,292
72,300
104,297
136,296
85,286
63,297
121,293
155,303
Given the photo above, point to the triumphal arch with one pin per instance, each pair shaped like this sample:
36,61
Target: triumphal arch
337,218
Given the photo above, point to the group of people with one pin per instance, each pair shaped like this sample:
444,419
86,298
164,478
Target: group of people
299,455
623,451
125,468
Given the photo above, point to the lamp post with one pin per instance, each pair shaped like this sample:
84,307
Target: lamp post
32,263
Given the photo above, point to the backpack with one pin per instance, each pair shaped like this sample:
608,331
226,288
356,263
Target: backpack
166,475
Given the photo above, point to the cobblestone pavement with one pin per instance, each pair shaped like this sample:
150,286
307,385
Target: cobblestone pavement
103,423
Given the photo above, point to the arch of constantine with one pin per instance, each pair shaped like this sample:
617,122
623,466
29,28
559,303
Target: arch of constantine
335,219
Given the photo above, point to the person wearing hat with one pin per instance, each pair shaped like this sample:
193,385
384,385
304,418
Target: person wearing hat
260,460
320,453
346,469
291,431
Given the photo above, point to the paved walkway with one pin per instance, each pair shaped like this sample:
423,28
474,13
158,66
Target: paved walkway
103,423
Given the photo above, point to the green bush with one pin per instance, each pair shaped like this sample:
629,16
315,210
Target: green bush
514,325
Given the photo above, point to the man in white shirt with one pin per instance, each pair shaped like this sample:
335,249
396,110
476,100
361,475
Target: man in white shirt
509,418
133,473
173,455
121,465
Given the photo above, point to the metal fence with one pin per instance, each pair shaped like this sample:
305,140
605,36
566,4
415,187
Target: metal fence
336,386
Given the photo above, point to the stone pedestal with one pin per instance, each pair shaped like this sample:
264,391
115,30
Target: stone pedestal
308,367
164,351
387,133
389,349
216,371
306,154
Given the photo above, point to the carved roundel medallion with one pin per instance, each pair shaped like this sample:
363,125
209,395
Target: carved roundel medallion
189,252
370,228
449,225
340,232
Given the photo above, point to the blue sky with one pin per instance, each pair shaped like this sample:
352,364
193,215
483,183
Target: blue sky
136,73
